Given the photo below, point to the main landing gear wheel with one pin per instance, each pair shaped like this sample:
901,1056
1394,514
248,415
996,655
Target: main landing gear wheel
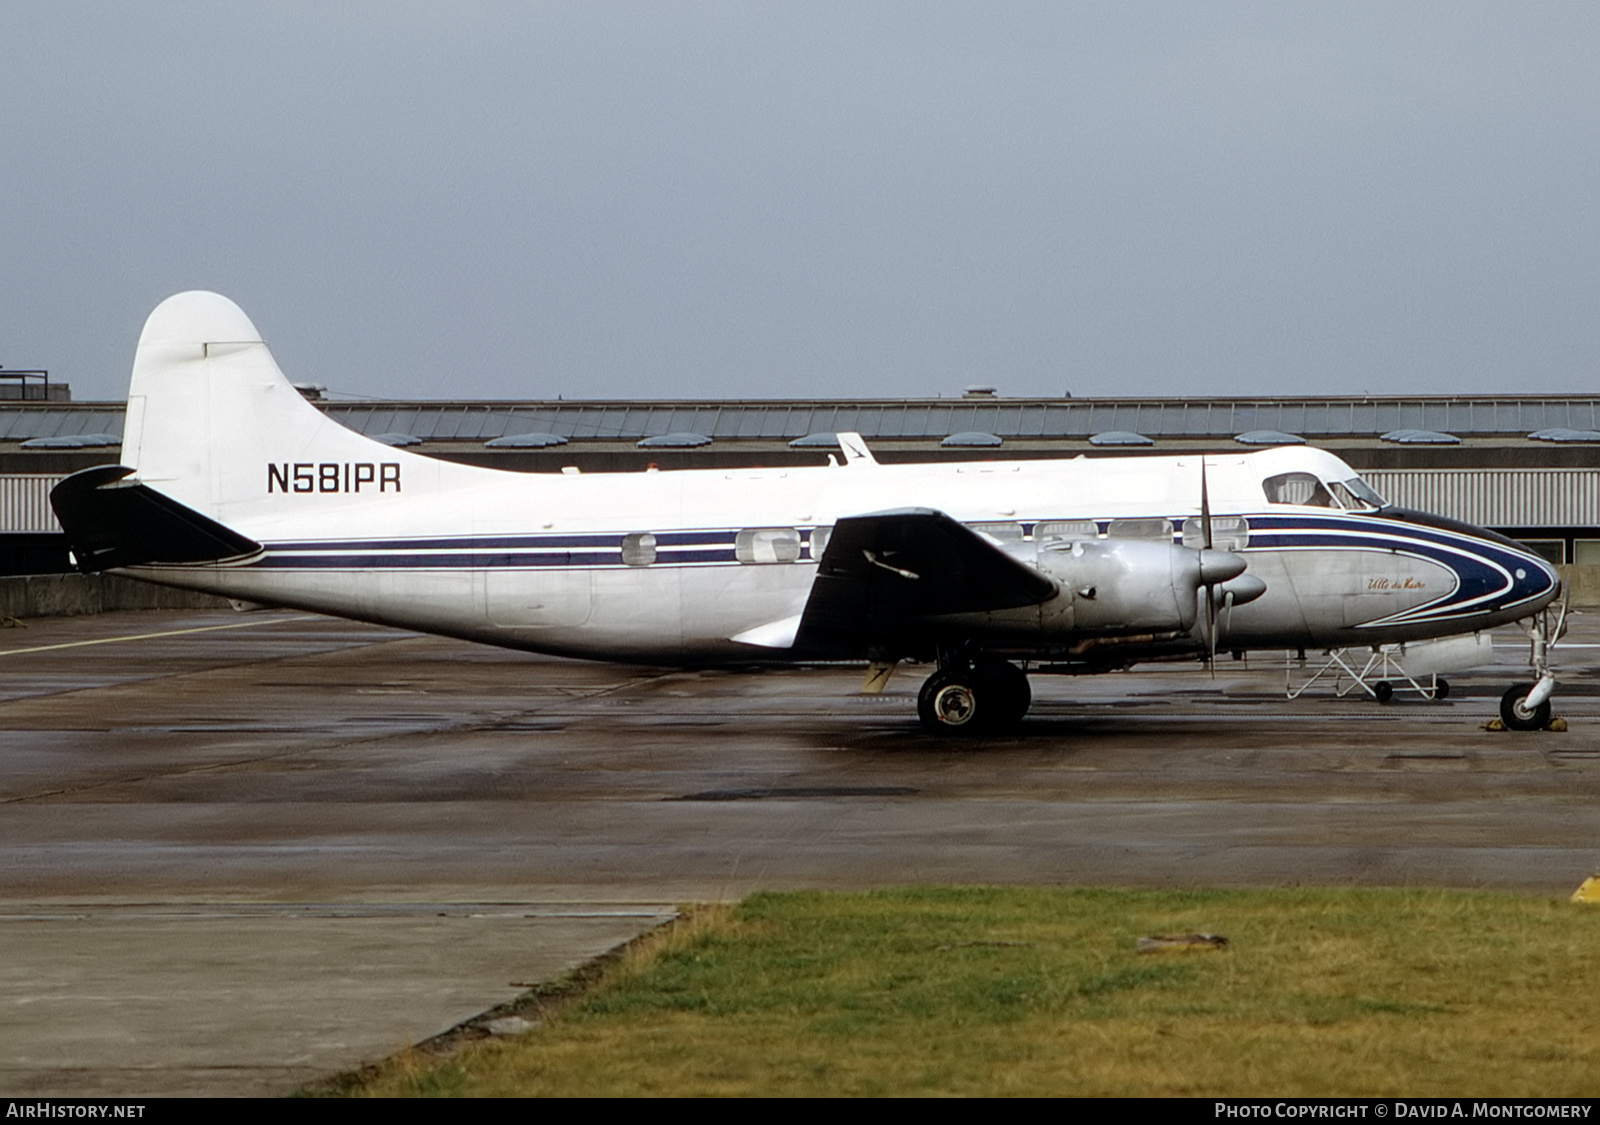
1383,691
992,696
1517,717
949,703
1441,687
1009,693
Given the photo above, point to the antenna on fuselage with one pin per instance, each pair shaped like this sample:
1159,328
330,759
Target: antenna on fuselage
855,449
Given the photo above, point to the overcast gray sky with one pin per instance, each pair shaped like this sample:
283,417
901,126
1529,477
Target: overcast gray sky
520,200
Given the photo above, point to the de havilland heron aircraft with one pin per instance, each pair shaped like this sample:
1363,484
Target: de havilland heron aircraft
234,484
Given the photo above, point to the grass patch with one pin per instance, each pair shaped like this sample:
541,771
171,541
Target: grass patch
1039,992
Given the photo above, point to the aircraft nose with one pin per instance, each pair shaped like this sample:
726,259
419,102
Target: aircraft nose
1534,579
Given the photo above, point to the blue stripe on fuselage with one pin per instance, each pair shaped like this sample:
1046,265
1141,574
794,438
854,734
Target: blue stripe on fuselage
1485,570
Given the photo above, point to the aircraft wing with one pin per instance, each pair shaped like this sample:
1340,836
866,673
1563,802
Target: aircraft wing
885,575
111,522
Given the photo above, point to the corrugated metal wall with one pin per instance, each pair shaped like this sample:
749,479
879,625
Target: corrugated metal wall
1497,497
25,504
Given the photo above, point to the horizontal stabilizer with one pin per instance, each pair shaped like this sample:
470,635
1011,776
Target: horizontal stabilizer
111,522
883,575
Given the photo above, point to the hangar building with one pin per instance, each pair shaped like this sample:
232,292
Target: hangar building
1528,466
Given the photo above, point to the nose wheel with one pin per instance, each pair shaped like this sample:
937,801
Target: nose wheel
980,698
1517,715
1527,706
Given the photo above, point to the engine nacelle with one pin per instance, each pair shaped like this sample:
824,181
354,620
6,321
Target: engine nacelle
1112,586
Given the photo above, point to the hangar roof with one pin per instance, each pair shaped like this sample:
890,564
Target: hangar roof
924,419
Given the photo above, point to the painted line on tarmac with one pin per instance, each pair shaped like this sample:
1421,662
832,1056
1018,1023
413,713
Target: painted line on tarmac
151,636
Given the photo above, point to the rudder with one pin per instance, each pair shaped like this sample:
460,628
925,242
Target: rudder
213,422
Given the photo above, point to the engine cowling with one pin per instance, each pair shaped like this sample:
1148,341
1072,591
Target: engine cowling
1112,586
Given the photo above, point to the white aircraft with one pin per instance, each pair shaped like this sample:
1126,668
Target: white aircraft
233,484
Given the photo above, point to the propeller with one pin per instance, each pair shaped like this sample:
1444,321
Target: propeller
1220,568
1216,568
1208,544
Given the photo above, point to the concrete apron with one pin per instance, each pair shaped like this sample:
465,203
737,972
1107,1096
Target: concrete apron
258,1000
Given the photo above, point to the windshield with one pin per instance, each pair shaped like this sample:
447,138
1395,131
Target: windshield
1365,493
1354,495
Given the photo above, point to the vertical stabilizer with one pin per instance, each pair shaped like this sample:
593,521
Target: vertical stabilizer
213,423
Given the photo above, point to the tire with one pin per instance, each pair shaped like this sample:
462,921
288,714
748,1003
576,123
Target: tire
1007,693
1515,717
950,703
1441,688
1383,691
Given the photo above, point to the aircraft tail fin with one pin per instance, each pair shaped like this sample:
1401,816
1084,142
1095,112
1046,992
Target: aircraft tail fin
213,423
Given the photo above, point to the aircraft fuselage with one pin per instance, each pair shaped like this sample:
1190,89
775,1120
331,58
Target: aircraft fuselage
233,484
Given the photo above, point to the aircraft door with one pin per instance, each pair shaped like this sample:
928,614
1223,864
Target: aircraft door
536,597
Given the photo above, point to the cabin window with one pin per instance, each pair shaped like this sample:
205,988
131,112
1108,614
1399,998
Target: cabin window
1054,530
767,545
1159,531
1004,532
1228,533
819,541
1297,488
639,549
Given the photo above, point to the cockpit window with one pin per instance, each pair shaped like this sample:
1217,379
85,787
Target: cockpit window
1297,488
1366,493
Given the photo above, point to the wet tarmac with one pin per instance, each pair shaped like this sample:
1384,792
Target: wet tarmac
234,823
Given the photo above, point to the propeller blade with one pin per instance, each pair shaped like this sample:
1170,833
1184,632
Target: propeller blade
1211,601
1211,630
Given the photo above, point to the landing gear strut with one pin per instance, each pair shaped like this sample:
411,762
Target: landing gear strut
1527,706
970,695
